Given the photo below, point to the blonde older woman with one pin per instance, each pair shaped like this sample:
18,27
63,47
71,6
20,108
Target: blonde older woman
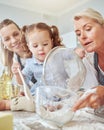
89,28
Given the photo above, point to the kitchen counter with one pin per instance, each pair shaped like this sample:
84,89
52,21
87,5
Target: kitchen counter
83,120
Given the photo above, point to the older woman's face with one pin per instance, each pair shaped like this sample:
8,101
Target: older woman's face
90,34
11,37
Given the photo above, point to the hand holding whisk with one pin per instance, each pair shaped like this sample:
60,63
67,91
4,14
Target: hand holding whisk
16,70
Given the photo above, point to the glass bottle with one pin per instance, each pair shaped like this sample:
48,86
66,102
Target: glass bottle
1,85
6,85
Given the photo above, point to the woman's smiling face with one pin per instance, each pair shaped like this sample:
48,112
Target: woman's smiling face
11,37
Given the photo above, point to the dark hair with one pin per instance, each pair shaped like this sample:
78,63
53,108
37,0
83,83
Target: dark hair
53,32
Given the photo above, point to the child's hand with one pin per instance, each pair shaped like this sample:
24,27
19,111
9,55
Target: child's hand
21,94
15,67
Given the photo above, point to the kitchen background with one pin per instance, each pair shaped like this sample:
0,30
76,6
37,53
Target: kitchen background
53,12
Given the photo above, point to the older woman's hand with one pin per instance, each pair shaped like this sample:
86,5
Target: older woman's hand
91,99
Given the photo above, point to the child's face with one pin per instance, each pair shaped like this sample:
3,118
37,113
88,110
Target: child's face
39,44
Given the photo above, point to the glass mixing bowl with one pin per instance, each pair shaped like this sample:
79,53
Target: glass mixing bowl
54,104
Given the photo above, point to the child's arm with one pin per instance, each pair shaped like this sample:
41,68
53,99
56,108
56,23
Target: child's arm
15,67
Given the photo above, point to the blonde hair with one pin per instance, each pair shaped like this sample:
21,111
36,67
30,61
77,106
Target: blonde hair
90,13
6,57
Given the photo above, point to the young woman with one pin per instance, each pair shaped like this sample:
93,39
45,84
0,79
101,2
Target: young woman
12,42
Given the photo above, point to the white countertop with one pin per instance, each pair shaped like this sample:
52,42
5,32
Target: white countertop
82,121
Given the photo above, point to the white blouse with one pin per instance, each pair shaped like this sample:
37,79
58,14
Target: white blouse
91,73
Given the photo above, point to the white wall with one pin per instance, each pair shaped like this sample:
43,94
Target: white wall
69,40
64,22
24,17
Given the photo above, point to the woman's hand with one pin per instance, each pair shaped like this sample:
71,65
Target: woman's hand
92,99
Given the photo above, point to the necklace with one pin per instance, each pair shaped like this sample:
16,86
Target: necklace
99,74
